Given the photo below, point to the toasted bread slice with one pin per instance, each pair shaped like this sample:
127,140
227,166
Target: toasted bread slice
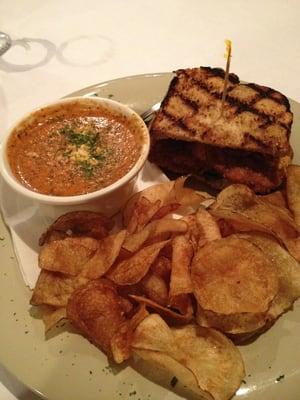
245,141
254,118
218,166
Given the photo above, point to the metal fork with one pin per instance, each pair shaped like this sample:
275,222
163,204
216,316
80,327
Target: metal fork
5,43
149,114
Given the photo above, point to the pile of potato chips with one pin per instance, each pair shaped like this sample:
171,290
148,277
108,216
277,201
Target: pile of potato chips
185,277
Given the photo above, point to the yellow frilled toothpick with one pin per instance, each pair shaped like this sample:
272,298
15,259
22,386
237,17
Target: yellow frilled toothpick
227,55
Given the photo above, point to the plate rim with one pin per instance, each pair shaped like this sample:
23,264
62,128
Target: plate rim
116,80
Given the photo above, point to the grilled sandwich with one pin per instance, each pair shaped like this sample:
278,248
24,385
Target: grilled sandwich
244,140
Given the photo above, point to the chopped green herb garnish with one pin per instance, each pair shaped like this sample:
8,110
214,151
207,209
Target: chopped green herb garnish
86,168
85,148
78,138
280,377
174,381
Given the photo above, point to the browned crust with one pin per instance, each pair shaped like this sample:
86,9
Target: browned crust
255,118
219,166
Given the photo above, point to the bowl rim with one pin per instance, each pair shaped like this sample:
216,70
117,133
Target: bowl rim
12,181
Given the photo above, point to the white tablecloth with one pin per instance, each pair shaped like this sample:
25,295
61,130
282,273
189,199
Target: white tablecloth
62,45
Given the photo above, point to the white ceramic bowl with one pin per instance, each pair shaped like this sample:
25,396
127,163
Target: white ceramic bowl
108,199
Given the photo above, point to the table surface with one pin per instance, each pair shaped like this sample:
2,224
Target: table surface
60,46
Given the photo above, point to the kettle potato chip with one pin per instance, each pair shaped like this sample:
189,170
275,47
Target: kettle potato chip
107,252
155,288
199,350
293,191
208,227
185,196
233,324
231,276
246,211
52,315
171,316
133,269
121,341
80,223
168,193
68,255
156,230
287,270
234,285
165,210
54,288
180,281
143,212
97,311
151,193
162,267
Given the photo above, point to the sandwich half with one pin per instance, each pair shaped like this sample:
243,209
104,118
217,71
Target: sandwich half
245,140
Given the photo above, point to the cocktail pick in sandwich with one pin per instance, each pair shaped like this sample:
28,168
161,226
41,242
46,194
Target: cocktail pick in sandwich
228,57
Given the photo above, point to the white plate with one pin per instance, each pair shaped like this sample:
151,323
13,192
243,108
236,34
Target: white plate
66,366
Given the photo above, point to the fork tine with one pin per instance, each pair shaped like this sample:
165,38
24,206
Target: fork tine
148,114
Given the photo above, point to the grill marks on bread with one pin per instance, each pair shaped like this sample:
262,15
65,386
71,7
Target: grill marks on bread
255,118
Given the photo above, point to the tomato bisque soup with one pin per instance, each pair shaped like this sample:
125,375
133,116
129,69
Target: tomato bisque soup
74,148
